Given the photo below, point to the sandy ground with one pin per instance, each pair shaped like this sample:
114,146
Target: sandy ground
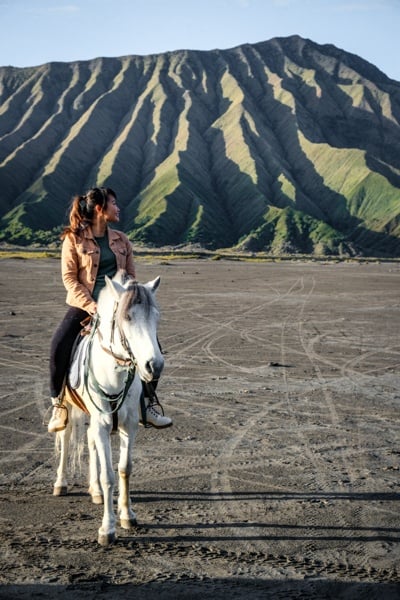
280,476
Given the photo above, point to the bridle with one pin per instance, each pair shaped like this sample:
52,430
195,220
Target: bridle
129,364
121,361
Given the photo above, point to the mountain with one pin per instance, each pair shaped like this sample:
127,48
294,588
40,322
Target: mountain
279,146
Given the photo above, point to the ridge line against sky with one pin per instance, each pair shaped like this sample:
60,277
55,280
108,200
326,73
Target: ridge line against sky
35,32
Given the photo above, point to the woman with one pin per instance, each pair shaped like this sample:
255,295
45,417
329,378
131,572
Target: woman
90,251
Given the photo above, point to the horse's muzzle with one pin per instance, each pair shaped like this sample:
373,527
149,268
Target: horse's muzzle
154,369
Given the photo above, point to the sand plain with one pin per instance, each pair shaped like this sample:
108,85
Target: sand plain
280,476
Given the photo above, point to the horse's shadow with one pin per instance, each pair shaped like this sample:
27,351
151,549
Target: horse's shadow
265,531
174,496
254,530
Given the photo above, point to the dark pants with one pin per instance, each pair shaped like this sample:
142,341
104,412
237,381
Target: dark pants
61,347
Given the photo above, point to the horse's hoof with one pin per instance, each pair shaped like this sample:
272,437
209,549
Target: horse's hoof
97,500
60,490
128,523
106,539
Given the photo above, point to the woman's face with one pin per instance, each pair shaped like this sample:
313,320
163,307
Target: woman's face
111,212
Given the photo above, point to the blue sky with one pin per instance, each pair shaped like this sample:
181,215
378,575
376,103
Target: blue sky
34,32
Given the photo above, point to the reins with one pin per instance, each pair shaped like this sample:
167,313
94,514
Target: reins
115,400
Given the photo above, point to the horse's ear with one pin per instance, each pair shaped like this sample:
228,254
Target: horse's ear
153,285
114,287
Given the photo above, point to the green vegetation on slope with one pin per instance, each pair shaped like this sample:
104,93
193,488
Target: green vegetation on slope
282,146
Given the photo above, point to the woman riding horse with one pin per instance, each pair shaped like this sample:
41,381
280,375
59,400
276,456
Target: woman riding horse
91,251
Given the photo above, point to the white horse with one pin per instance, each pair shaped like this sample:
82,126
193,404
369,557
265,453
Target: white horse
121,350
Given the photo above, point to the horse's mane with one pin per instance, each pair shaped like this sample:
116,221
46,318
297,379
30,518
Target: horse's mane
135,294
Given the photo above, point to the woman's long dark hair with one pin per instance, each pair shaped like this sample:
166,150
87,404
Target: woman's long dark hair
82,209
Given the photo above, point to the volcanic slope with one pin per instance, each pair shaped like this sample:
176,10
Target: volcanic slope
281,146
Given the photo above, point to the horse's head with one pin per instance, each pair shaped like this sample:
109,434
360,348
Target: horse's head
134,320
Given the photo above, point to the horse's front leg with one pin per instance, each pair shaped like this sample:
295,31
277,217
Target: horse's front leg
94,469
101,433
62,441
126,514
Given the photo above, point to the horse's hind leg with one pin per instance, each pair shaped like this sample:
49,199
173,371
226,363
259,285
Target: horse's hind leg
62,441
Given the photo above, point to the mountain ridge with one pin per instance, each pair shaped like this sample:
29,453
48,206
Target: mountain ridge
282,146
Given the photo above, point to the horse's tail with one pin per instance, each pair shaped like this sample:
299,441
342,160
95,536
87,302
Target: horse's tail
77,431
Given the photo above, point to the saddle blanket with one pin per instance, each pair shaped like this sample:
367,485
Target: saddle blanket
78,358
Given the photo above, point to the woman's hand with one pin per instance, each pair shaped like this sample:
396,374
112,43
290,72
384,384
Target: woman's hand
92,309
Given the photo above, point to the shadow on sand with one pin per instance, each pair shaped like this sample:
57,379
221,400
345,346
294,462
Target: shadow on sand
221,588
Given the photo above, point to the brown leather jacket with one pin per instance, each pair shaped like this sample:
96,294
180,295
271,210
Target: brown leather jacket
80,264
